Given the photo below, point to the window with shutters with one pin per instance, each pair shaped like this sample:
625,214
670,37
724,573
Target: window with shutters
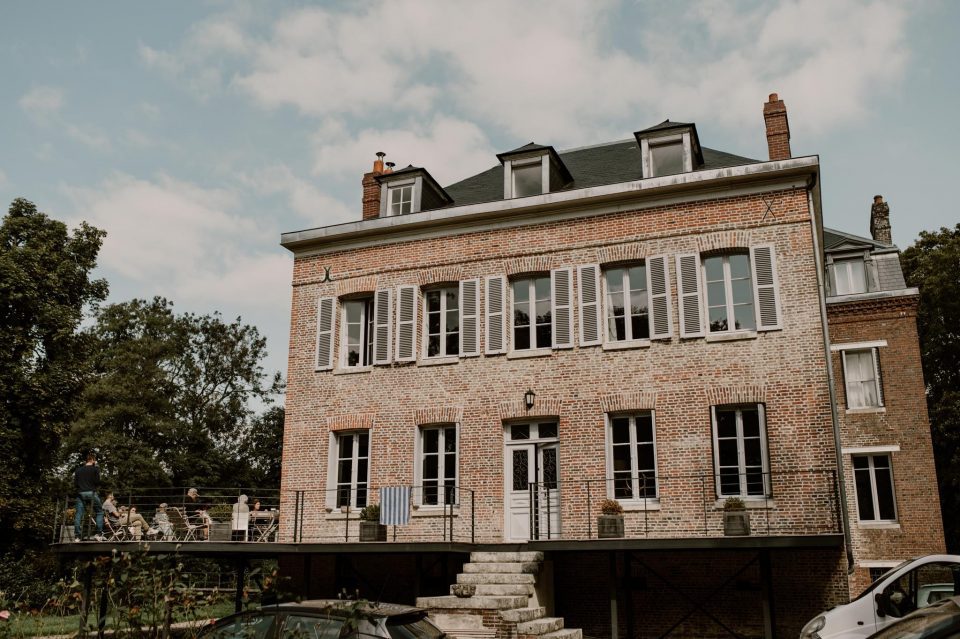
352,467
437,465
729,283
631,457
357,330
740,451
861,371
532,313
873,477
627,303
442,318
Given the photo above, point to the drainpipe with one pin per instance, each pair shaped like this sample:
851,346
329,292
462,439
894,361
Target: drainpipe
841,483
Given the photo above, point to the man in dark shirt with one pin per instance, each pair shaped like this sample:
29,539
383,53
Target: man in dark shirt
86,480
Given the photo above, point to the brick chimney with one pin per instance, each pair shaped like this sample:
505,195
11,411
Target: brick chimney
371,189
880,221
778,129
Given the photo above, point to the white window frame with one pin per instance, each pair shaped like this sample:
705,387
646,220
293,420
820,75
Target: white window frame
333,474
741,456
636,500
872,472
366,323
443,322
728,294
877,380
841,266
532,301
388,189
441,479
608,339
510,183
646,154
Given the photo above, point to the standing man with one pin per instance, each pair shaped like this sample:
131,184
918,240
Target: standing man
86,480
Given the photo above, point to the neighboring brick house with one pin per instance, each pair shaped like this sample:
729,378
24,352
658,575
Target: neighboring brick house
641,320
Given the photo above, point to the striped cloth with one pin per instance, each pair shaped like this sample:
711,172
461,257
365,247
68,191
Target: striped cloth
395,505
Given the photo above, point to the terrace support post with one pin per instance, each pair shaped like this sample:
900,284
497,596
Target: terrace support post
766,585
613,596
241,571
85,602
102,616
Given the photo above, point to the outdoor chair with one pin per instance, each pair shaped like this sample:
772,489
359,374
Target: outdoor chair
182,528
113,531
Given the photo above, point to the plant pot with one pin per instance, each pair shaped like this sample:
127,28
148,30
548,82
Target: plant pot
372,531
736,523
66,534
610,526
220,531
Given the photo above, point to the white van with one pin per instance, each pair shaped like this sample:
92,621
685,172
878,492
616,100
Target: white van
913,584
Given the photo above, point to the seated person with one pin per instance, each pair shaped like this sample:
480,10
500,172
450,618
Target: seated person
204,521
135,522
110,509
161,521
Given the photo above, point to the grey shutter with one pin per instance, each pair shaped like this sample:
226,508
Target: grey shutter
406,323
382,315
325,309
690,303
878,376
658,283
590,318
766,293
470,318
496,298
561,300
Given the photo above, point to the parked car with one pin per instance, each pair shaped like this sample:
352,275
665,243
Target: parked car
940,620
326,619
898,592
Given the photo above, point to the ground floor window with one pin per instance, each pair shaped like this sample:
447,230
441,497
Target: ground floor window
873,476
633,456
438,465
353,469
740,451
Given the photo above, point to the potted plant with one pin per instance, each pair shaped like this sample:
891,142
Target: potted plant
220,529
610,521
736,519
370,527
66,528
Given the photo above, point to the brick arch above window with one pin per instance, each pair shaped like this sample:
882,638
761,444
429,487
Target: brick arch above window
440,274
743,394
361,421
367,284
633,252
542,407
621,402
439,415
723,241
533,264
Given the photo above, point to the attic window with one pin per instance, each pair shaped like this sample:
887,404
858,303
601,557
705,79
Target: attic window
666,158
528,179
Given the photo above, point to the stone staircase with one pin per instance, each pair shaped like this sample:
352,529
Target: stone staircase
505,601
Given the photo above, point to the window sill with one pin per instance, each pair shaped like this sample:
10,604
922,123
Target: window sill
626,345
869,410
639,505
878,525
438,361
339,515
752,503
733,336
352,370
433,511
533,352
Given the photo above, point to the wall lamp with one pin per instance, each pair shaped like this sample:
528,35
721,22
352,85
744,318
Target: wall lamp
528,399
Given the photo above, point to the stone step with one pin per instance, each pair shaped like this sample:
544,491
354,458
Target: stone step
540,626
503,557
531,567
566,633
502,590
518,615
477,602
495,578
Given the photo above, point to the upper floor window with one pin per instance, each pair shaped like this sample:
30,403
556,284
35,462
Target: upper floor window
861,370
729,285
627,308
532,313
850,276
357,349
666,158
633,456
400,199
438,465
740,451
527,178
873,477
443,322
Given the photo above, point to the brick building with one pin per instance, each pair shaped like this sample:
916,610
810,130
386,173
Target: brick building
648,321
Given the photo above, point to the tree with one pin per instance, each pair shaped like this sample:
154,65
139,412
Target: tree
45,288
932,263
171,396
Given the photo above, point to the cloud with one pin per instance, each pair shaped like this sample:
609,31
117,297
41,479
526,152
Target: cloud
304,197
42,102
44,105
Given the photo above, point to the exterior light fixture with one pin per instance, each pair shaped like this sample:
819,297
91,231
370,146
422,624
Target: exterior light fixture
528,398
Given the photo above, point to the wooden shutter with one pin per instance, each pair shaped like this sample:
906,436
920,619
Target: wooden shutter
766,293
406,323
878,376
325,310
382,315
496,298
470,318
688,290
658,283
561,300
591,320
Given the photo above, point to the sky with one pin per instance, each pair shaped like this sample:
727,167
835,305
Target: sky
195,133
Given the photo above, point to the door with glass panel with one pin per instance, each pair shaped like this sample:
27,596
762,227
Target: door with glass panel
532,489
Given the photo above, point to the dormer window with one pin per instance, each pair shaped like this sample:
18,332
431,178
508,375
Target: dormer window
669,148
528,179
400,199
850,276
533,169
666,158
410,190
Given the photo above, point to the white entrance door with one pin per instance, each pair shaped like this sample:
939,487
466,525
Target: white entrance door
532,489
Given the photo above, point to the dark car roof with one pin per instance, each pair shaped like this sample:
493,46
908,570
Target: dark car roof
335,606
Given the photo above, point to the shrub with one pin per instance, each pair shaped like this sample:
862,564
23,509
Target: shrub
371,513
611,507
734,503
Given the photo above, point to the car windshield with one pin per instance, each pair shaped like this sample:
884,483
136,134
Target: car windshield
418,629
882,577
248,625
924,623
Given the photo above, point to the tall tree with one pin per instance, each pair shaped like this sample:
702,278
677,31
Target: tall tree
932,263
45,288
172,395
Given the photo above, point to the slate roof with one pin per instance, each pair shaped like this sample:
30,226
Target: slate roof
666,124
609,163
833,239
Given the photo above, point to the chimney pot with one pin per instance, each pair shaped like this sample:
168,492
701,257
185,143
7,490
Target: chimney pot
778,128
880,221
774,97
390,166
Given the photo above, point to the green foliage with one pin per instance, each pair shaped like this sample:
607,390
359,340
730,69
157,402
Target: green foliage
371,513
734,503
932,264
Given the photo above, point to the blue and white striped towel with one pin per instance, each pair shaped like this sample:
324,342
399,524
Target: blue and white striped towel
395,505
